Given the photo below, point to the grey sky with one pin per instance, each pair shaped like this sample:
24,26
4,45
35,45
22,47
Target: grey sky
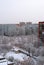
14,11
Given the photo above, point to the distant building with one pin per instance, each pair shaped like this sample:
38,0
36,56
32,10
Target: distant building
22,23
41,31
29,23
17,24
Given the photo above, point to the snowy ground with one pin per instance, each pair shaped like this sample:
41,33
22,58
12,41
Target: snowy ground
19,57
10,46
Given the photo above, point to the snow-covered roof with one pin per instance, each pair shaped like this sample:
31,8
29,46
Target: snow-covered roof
3,62
10,62
18,56
1,56
19,49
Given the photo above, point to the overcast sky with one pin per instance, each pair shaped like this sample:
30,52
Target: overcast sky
14,11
